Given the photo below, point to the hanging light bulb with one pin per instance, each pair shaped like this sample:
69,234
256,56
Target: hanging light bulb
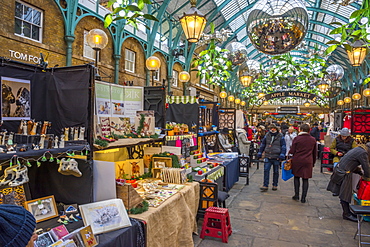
237,101
366,92
347,100
261,95
356,96
340,102
307,104
323,86
265,102
223,94
231,98
243,103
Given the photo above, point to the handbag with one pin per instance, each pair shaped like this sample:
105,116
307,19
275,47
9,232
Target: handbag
286,174
288,165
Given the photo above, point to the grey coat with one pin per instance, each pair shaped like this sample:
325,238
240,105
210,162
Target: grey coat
244,144
341,179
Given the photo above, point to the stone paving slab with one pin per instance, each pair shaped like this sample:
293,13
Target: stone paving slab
272,218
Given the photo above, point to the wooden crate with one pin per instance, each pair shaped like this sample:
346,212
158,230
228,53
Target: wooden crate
166,160
128,195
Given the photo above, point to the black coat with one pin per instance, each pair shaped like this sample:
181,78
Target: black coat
341,179
315,132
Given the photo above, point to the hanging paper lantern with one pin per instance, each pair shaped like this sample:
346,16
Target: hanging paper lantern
335,72
237,53
277,26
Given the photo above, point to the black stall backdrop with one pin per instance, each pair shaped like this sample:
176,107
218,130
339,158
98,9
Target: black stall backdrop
62,96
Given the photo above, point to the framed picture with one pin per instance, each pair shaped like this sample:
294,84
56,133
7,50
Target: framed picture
44,240
105,216
42,208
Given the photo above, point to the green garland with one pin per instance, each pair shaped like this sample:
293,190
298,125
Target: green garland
141,208
175,159
101,143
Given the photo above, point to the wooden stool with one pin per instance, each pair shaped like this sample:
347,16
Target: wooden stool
216,224
360,211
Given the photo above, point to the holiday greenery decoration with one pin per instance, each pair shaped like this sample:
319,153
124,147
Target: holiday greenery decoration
213,64
141,208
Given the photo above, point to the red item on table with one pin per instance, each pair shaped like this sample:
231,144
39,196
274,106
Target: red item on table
363,192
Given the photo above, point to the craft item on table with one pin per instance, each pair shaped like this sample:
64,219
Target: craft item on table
74,237
61,143
34,127
70,209
10,149
161,194
59,232
29,126
166,160
105,216
44,240
50,142
10,138
66,133
173,175
71,133
88,237
81,137
24,127
12,195
156,173
20,127
44,128
159,164
23,148
120,126
75,136
42,141
129,195
105,127
56,140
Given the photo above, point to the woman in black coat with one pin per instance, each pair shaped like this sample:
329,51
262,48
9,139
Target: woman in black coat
341,179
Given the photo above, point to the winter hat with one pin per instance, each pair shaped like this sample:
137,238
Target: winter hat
225,131
272,126
344,132
16,226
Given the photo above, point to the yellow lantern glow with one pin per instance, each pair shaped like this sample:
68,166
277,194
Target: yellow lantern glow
340,102
307,104
357,53
261,95
193,23
153,63
265,102
347,100
323,87
246,80
366,92
97,39
237,101
231,98
243,103
223,94
356,96
184,76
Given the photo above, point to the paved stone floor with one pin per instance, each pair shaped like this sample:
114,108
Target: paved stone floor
272,218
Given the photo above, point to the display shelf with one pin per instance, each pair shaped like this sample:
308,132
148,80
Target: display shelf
40,152
129,142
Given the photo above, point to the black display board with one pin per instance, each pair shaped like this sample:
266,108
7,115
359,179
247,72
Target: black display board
183,113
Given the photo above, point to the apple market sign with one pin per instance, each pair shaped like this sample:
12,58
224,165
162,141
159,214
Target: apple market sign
24,56
298,94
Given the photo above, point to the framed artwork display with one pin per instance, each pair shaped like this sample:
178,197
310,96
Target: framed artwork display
42,208
105,216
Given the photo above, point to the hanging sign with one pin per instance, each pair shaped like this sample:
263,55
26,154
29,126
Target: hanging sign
298,94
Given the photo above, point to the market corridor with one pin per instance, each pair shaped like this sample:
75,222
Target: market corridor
273,219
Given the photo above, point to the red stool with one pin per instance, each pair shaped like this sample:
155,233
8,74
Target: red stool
216,224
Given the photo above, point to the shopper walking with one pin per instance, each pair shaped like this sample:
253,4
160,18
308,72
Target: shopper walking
342,144
244,144
273,144
341,179
304,157
315,132
289,137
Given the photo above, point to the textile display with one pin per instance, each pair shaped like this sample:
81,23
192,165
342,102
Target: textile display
53,94
360,120
183,113
173,223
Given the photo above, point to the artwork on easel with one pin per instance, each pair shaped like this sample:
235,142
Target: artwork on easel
149,122
129,168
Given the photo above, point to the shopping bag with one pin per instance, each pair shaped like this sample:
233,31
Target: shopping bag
363,192
286,174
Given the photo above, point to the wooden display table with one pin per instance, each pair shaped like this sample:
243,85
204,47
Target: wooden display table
173,222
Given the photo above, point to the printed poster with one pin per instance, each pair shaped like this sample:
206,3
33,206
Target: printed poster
117,96
15,99
133,100
103,99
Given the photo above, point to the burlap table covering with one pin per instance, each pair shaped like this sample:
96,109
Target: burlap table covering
172,224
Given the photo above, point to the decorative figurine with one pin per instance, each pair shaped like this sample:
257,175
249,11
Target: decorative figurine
50,142
10,138
24,128
56,142
42,142
66,133
3,139
71,132
44,128
75,137
34,127
82,134
29,126
61,143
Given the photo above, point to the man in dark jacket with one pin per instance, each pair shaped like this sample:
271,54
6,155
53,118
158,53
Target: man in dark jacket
315,132
341,179
273,144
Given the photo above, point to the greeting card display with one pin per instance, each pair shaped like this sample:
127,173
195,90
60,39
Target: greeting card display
44,240
88,237
104,126
59,232
120,125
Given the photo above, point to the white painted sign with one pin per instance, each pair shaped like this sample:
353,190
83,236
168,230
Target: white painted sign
24,56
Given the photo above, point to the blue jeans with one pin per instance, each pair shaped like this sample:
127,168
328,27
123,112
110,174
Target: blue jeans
266,175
